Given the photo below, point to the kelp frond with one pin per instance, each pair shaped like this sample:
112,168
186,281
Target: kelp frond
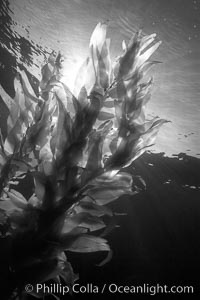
74,147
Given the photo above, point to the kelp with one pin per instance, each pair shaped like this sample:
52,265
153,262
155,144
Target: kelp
75,147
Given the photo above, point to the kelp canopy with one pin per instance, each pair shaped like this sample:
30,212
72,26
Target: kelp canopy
72,147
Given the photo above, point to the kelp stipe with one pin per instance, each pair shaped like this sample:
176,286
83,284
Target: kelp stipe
73,147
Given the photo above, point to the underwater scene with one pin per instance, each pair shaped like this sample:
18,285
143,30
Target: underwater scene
99,149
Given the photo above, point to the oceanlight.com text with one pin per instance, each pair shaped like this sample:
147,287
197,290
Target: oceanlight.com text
111,288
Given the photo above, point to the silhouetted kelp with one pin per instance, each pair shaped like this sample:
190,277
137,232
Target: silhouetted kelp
163,178
75,148
160,230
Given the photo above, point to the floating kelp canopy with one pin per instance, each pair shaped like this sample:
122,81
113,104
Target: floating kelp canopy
73,146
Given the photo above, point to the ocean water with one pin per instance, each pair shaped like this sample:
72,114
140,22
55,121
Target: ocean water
158,233
32,28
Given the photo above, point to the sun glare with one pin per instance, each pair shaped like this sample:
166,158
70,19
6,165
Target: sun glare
70,71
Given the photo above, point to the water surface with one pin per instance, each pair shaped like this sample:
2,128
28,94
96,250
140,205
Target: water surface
31,29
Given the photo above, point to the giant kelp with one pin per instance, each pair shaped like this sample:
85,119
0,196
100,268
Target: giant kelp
73,147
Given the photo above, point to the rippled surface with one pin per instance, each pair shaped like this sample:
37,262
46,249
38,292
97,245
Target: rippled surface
157,239
31,29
